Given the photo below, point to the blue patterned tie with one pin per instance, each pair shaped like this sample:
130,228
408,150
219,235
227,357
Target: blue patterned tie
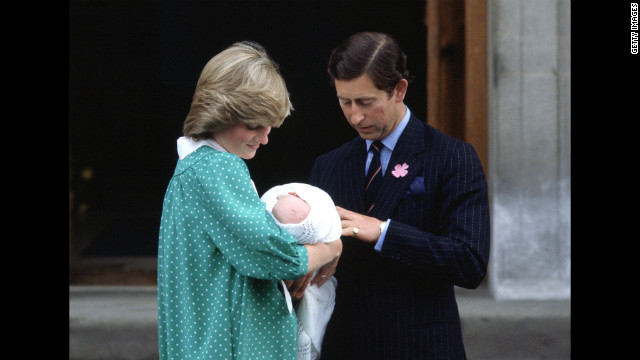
374,177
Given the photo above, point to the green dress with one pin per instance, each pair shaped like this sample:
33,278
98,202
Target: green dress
220,256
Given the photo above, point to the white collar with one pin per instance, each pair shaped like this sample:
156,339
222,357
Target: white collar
186,146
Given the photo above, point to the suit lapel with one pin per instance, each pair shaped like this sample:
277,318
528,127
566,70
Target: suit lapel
408,150
351,177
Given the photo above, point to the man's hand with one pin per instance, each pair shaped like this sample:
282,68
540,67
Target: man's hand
362,227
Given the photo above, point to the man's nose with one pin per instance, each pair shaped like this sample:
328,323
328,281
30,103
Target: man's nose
356,115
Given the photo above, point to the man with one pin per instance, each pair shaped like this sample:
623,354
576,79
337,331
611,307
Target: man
425,228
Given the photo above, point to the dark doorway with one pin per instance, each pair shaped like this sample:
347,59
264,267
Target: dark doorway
133,66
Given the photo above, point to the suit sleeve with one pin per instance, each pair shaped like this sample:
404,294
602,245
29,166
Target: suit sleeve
457,249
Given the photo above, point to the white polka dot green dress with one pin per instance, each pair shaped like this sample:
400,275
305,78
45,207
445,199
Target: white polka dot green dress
220,256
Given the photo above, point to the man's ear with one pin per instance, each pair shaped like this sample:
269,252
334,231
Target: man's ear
401,90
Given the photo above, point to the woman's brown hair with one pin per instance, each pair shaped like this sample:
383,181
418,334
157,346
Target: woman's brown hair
241,84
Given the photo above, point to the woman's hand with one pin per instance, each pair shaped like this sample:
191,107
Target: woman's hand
362,227
323,257
325,272
297,287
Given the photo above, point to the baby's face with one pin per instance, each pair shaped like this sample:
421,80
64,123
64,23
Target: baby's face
290,209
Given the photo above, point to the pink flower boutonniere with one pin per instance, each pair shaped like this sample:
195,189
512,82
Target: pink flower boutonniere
400,170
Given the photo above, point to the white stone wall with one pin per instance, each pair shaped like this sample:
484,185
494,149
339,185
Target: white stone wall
529,148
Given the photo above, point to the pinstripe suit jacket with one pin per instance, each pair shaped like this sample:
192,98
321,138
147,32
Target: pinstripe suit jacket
400,303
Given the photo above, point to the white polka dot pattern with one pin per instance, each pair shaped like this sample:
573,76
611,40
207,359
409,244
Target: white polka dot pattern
220,256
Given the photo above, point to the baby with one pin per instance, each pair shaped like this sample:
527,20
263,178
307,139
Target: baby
309,214
290,209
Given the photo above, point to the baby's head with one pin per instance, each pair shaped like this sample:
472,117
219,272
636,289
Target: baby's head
305,211
290,209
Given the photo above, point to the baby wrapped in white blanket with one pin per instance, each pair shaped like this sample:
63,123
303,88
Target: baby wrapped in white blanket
309,214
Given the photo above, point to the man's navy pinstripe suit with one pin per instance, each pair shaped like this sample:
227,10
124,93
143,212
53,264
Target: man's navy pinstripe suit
400,303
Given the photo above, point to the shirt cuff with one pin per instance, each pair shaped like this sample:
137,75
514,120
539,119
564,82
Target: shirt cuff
383,232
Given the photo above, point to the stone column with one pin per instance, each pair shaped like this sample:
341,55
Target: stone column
529,148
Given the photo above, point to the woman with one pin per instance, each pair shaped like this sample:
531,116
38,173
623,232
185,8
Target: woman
220,254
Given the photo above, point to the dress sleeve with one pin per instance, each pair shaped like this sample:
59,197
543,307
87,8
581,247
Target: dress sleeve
242,228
